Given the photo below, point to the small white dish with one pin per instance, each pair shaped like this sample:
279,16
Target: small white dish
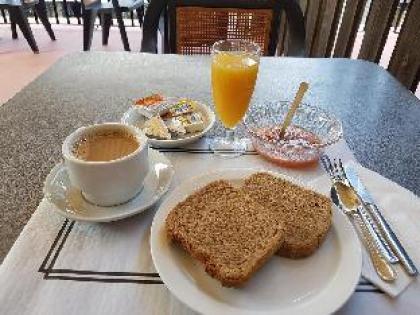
69,202
319,284
135,118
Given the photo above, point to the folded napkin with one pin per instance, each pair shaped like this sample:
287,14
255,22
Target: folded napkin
401,208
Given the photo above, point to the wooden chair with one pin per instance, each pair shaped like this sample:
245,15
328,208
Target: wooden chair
105,10
194,25
17,12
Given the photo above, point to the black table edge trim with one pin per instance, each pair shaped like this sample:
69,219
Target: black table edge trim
51,273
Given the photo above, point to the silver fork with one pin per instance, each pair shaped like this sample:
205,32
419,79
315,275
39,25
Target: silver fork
337,174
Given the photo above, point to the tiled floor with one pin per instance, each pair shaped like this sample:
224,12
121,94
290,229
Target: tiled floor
20,66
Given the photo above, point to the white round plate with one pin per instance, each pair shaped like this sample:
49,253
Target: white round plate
319,284
70,203
135,118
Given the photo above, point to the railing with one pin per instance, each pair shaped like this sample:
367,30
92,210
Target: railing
66,12
332,27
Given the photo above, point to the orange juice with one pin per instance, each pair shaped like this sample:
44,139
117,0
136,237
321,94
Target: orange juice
233,77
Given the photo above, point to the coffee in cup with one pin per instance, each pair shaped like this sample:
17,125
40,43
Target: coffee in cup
105,146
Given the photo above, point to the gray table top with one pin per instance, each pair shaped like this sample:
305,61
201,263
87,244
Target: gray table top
381,118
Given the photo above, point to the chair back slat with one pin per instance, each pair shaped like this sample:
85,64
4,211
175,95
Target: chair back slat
335,25
326,28
377,27
352,15
405,60
282,43
322,20
197,28
312,13
283,38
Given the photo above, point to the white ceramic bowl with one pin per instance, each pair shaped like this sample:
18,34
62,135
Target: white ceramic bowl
135,118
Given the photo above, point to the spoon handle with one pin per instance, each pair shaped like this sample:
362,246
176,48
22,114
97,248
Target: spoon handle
303,87
382,267
380,243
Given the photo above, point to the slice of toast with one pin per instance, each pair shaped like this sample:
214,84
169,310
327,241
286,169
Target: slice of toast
306,214
226,230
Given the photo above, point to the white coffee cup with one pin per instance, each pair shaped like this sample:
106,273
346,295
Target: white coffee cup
107,183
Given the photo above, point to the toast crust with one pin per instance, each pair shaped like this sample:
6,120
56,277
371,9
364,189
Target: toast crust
306,214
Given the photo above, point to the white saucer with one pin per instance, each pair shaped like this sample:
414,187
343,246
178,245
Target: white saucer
70,203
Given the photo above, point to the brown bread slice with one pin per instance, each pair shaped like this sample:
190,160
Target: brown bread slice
226,230
306,214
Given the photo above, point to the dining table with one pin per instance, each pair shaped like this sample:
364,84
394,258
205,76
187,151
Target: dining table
54,265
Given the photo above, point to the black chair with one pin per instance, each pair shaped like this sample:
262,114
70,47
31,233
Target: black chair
105,10
17,12
194,25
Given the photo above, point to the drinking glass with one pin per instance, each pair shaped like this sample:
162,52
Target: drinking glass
234,71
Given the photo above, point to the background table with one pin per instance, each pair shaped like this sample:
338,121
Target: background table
380,117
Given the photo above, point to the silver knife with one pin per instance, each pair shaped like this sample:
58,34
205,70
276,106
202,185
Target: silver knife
388,233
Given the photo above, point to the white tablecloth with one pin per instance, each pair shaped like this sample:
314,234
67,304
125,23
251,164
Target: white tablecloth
58,266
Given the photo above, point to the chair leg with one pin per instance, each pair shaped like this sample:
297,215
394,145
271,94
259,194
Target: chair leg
88,23
3,14
165,42
13,27
106,24
66,11
41,10
140,15
121,26
19,16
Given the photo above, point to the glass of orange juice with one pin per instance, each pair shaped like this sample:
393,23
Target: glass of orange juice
234,71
